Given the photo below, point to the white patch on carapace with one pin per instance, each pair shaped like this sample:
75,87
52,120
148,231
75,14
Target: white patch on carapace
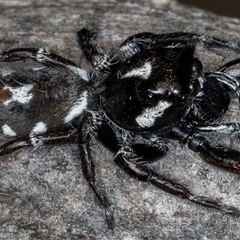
19,94
80,72
149,115
77,108
7,131
142,72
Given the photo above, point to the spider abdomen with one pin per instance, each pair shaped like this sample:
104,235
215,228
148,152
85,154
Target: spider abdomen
39,95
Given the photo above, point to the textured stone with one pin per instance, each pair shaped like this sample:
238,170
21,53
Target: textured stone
43,194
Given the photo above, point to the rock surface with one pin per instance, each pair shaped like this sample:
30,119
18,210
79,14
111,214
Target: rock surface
43,194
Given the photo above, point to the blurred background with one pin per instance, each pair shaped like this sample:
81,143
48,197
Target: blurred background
229,8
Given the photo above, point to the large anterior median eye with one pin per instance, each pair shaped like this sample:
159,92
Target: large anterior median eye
146,97
150,95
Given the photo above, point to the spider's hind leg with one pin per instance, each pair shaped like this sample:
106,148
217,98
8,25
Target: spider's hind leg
36,141
40,55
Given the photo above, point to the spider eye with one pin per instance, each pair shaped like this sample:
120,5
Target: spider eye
147,96
150,96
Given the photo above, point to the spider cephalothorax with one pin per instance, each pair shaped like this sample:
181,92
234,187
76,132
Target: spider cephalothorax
156,92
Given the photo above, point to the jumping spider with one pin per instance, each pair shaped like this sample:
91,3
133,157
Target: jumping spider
156,92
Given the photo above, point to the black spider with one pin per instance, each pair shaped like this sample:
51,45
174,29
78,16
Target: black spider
157,92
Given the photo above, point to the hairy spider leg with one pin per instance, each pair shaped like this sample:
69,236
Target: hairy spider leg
232,68
226,128
218,154
14,145
84,137
229,75
44,57
99,60
143,41
40,55
126,161
51,138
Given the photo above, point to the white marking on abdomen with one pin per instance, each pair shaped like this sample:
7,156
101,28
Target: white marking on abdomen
143,72
8,131
20,94
149,115
77,108
39,128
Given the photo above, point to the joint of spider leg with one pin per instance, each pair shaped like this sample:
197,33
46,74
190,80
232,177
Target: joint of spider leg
43,51
194,142
41,54
101,62
3,56
36,142
129,49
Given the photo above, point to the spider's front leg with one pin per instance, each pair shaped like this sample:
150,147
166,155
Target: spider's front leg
232,68
146,40
85,132
128,161
218,154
